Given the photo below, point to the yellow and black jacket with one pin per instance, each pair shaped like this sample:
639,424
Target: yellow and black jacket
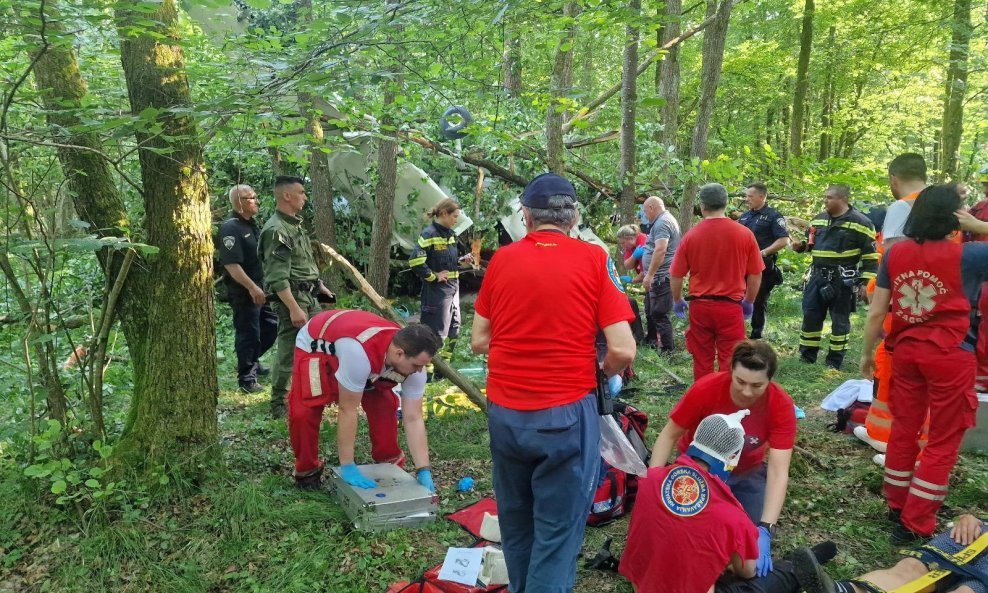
435,251
847,241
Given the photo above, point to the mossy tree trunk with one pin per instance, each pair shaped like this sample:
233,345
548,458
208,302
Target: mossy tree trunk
629,103
559,87
172,419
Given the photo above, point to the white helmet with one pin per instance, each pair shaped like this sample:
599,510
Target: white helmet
718,440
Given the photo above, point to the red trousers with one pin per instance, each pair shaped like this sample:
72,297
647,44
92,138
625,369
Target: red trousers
926,378
982,378
715,328
311,373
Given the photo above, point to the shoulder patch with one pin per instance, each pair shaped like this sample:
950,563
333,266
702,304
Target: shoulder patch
613,275
684,491
229,241
781,221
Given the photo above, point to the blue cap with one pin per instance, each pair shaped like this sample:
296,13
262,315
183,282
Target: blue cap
539,190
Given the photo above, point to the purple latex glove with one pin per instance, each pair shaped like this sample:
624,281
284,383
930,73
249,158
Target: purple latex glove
680,309
747,308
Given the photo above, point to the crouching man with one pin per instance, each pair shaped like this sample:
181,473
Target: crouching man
687,526
355,359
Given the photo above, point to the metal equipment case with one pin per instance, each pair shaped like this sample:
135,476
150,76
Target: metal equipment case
398,500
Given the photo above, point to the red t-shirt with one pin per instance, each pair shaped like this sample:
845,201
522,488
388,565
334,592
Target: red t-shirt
677,543
639,242
718,254
771,423
546,297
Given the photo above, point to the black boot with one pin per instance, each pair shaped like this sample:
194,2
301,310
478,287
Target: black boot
311,481
811,576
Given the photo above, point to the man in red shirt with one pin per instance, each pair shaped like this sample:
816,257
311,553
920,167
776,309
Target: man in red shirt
355,359
543,300
770,428
980,211
687,525
725,267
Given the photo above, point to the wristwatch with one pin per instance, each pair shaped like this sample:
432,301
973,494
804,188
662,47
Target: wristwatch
771,527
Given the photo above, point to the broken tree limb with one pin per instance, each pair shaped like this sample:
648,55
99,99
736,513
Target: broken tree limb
469,388
603,97
491,166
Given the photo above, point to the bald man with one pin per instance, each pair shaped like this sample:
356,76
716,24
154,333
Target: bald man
660,248
255,325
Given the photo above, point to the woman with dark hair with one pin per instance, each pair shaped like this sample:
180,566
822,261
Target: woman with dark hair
927,284
761,477
436,260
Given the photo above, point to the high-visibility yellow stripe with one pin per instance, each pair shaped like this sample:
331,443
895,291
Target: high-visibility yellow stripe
819,222
811,334
836,254
867,275
810,343
854,226
424,242
879,421
870,256
880,405
417,261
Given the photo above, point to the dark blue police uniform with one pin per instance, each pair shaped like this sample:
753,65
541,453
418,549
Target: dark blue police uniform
255,327
768,225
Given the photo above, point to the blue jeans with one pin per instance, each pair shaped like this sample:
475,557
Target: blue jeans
545,473
749,489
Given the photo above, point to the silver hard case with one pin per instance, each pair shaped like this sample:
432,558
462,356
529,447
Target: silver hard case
398,500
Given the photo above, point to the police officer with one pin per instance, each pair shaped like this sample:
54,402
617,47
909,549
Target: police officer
254,323
842,242
291,278
769,227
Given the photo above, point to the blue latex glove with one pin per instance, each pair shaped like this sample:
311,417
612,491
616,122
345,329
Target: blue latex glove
747,308
351,475
614,385
680,309
764,565
626,279
424,477
638,252
800,414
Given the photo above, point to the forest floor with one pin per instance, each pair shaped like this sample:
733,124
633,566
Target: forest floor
249,530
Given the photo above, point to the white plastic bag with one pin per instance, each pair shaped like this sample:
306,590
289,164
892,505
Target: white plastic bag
616,449
849,391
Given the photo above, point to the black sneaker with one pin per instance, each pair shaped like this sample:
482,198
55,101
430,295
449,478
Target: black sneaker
811,576
262,371
807,359
312,481
833,365
252,387
903,536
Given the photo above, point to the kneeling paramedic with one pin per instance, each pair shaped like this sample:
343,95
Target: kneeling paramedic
355,358
687,525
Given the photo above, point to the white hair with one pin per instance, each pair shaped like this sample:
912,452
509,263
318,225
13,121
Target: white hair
235,193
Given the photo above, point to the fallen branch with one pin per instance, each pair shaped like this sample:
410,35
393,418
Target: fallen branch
469,388
810,457
491,166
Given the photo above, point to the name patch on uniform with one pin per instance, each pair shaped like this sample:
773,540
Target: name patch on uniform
684,491
229,241
613,275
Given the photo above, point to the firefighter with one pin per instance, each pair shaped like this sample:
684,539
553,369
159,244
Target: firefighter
929,285
842,242
436,260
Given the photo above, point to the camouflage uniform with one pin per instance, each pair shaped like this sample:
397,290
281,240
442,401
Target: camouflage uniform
286,257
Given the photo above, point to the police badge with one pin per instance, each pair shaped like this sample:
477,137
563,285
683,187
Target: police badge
229,241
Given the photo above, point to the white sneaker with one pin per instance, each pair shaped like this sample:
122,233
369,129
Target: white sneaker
862,433
879,459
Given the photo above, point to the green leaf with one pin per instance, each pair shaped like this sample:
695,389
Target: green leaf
91,483
59,487
259,4
653,102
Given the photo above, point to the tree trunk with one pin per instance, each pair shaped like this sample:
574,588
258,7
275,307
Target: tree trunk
802,80
828,96
511,62
669,74
713,58
172,418
559,85
629,100
953,101
379,262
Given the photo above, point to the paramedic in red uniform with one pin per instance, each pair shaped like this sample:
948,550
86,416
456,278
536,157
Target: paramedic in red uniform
770,429
543,300
980,211
355,359
928,285
725,267
687,525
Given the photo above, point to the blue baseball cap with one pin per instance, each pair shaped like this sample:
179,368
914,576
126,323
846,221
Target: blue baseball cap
541,188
